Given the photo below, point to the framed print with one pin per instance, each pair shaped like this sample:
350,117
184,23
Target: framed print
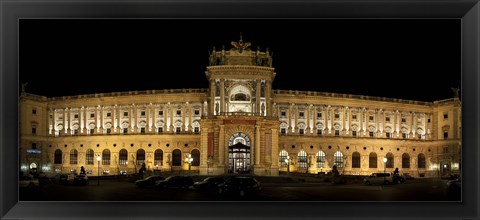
297,109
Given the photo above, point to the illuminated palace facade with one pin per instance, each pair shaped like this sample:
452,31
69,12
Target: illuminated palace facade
239,124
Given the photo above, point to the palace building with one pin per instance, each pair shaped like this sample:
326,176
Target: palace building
238,124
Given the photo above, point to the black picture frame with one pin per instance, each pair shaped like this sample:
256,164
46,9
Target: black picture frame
467,10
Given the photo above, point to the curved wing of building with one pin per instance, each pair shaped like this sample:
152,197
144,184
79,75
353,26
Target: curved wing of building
239,124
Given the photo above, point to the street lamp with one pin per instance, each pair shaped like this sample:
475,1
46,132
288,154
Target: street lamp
287,160
98,177
189,160
384,168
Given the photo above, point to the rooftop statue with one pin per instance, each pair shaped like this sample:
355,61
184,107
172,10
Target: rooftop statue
240,45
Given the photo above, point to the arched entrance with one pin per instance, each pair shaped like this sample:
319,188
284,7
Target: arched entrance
239,153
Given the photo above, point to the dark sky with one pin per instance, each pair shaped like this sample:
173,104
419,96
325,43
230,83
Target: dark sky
397,58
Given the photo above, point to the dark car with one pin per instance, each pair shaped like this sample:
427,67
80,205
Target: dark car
407,176
239,185
209,183
174,182
80,179
148,181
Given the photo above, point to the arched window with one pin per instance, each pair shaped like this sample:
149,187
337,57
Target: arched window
302,159
73,156
123,157
390,161
89,157
158,157
320,159
196,157
282,157
421,161
106,157
356,160
405,160
140,157
58,157
372,160
338,159
176,158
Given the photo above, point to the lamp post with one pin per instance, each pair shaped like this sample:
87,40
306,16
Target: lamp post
287,160
98,177
189,160
384,168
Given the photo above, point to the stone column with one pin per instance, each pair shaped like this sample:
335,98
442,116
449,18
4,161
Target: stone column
212,97
258,92
81,119
268,91
221,146
222,96
65,120
257,144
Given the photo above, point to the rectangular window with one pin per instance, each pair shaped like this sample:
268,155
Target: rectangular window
301,114
283,130
160,130
283,113
142,130
142,113
354,117
428,120
404,135
178,130
179,112
92,131
125,130
404,120
160,112
370,133
445,115
319,131
337,116
354,133
388,135
319,114
337,132
92,115
125,114
301,131
387,119
445,135
109,114
419,137
197,112
109,130
75,131
34,111
34,130
370,118
196,130
75,116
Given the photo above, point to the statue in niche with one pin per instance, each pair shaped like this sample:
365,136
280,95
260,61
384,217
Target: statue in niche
262,91
217,108
455,92
263,108
217,89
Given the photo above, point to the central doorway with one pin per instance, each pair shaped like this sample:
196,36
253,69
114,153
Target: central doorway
239,154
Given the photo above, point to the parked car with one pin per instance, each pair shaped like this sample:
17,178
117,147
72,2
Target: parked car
148,181
378,178
174,182
80,179
209,183
239,185
455,185
407,176
66,178
28,181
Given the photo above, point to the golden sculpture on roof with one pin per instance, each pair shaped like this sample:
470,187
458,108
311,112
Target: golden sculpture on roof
240,44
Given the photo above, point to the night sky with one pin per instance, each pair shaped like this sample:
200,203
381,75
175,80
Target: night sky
404,58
